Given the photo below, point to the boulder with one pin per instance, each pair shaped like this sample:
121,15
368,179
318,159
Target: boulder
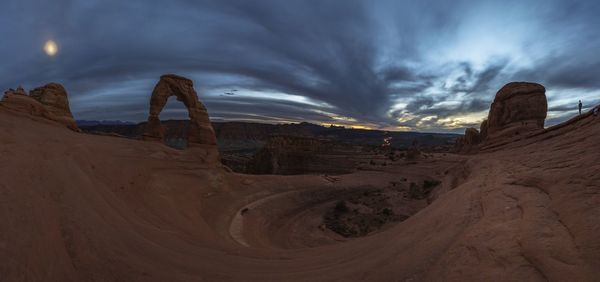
200,129
518,108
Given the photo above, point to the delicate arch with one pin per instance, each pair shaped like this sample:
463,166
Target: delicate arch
200,130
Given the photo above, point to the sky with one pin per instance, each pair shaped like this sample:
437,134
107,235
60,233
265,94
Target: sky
428,65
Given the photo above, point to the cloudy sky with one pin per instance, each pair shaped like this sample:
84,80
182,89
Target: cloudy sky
399,65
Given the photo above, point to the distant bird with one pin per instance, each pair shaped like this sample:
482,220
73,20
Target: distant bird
229,93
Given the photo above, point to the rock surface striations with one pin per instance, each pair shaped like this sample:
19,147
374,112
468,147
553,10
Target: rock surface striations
519,109
49,101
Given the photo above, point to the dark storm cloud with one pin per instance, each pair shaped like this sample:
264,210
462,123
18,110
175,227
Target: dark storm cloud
478,82
379,63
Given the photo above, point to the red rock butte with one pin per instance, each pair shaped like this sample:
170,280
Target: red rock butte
519,107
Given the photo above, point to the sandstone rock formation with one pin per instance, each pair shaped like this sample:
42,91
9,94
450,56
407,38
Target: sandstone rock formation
78,207
49,101
200,129
469,141
483,129
54,98
472,136
301,155
519,108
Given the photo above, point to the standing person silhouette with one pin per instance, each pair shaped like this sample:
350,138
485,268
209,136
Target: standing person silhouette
580,106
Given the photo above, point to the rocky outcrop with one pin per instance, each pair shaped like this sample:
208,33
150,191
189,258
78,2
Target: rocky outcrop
469,141
483,129
519,108
49,101
301,155
200,129
54,98
472,136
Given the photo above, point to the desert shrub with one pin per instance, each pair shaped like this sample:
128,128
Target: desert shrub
341,207
430,183
414,191
387,212
413,154
421,192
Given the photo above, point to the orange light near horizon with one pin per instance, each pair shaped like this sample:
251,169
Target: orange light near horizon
352,126
51,48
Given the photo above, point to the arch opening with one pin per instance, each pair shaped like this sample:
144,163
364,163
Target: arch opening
199,129
175,121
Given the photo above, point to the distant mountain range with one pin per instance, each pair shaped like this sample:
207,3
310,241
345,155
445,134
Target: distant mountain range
240,142
81,123
230,133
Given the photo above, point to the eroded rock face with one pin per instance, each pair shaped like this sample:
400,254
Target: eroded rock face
469,141
302,155
472,136
519,108
54,98
483,129
49,101
200,129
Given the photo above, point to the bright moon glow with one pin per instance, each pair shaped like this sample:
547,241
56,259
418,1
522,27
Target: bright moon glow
50,48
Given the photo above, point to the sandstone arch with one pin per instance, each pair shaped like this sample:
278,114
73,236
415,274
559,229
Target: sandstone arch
200,130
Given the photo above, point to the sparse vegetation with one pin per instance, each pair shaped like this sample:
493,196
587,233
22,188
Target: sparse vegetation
361,214
427,184
341,207
421,192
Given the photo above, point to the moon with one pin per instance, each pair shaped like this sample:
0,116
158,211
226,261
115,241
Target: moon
50,48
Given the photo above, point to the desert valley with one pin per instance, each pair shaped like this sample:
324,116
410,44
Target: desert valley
198,201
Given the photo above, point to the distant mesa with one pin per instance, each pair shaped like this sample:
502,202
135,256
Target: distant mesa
519,109
83,122
200,129
49,101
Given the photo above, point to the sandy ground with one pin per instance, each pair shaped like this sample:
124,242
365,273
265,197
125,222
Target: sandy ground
77,207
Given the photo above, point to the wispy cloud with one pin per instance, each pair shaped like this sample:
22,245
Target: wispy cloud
423,65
